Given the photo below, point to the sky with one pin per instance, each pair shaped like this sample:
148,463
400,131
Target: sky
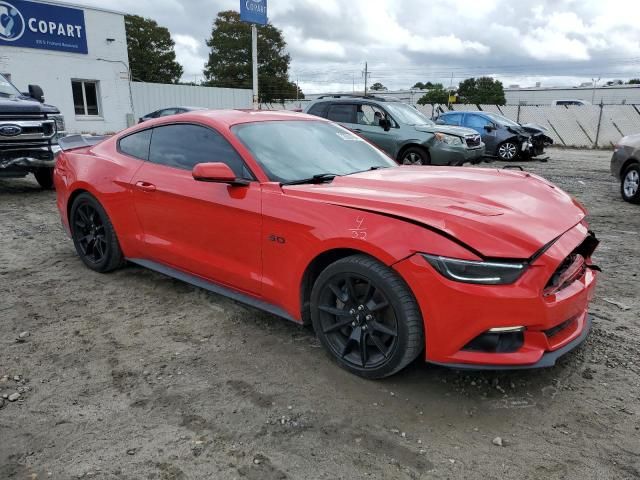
555,42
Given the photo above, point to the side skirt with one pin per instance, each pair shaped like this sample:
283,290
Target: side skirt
213,287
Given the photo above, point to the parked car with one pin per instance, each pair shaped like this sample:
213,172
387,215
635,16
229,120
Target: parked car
625,166
570,102
29,133
165,112
403,132
505,139
302,218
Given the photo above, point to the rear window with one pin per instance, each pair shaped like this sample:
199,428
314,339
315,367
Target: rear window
343,113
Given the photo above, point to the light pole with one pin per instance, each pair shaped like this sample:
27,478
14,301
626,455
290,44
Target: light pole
128,79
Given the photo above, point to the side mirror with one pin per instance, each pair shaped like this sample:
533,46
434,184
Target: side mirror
440,121
488,128
36,93
385,123
217,173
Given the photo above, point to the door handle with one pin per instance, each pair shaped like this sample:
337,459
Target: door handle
357,130
146,186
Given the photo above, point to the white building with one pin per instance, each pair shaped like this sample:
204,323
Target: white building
78,55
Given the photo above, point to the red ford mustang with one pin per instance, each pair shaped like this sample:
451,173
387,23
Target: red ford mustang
298,216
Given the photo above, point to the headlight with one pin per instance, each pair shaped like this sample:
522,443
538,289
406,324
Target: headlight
59,119
448,139
469,271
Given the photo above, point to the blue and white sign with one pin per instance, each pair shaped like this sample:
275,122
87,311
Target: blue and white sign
42,25
253,11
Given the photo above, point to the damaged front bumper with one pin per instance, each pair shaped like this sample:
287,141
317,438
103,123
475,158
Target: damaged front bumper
34,157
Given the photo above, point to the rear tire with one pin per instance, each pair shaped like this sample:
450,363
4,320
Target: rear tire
44,177
415,156
93,235
366,317
630,185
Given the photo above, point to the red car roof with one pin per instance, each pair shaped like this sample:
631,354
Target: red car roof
234,117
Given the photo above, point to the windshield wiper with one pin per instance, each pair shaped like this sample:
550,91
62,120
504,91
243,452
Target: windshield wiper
319,178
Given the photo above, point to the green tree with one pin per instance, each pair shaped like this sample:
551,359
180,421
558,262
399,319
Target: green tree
378,87
436,94
426,86
229,63
151,51
634,81
481,91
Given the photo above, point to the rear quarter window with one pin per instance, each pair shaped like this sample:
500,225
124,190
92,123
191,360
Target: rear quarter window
319,109
136,145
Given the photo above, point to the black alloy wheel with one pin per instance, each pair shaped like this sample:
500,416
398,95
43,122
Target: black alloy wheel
93,235
366,317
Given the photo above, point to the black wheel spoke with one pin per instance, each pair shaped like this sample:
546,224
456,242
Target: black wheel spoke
352,290
340,295
364,354
376,307
379,327
334,311
337,326
379,345
369,293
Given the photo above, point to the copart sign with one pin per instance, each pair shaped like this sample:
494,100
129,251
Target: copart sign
42,25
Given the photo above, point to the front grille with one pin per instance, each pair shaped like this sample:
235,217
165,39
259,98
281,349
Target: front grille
473,141
30,130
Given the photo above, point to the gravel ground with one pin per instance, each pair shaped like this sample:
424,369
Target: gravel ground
133,375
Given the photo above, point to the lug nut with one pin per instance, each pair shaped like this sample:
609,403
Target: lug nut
368,317
352,311
361,307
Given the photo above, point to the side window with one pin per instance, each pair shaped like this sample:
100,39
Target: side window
168,111
452,118
369,115
136,144
183,146
341,112
475,121
319,109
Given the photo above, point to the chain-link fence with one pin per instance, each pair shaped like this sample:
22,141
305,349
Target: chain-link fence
591,126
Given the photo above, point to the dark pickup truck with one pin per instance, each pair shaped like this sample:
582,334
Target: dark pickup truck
29,133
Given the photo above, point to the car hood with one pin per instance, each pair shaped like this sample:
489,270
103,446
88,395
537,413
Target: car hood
534,128
630,141
19,105
498,213
451,130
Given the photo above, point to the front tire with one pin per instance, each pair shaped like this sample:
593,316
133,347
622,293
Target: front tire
366,317
508,151
415,156
93,235
44,177
630,185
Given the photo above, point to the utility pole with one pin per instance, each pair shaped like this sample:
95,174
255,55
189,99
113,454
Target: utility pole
254,61
298,91
366,74
594,82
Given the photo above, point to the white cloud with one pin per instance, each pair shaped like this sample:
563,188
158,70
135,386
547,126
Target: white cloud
187,54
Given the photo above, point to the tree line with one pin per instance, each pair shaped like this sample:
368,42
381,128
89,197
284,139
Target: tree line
152,56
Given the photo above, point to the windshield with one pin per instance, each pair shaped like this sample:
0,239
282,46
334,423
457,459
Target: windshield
500,120
403,113
6,88
295,150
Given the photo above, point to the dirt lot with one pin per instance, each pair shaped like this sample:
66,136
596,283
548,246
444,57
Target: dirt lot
133,375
